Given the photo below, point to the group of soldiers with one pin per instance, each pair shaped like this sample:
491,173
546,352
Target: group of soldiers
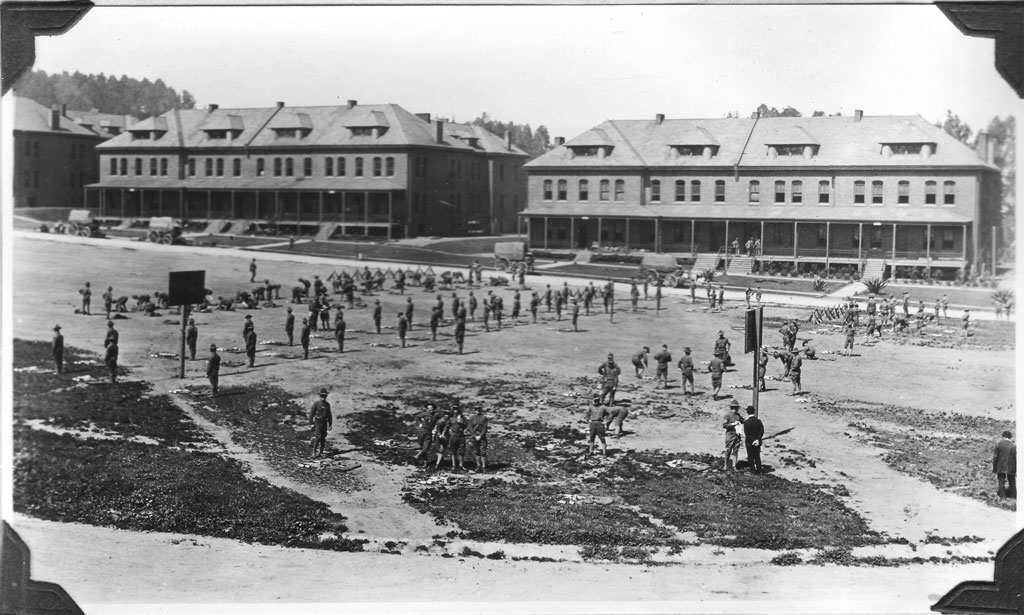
448,432
110,353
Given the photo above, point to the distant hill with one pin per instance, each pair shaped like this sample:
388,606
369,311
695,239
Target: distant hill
117,95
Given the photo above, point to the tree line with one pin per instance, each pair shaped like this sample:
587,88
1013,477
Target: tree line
116,95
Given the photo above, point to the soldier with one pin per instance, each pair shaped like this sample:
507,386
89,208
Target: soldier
749,292
609,372
732,423
435,320
250,347
314,313
588,297
425,422
377,311
403,327
522,278
440,306
906,304
871,307
795,369
565,293
191,337
753,432
920,316
408,313
487,315
712,298
460,332
498,306
322,421
289,327
534,303
693,292
596,416
57,351
685,366
339,330
646,283
213,369
663,358
325,313
757,292
457,439
966,320
472,306
762,368
558,306
617,416
515,307
86,293
945,305
547,298
456,304
110,358
936,308
575,315
252,270
721,298
786,358
722,348
247,326
634,295
850,333
609,295
873,327
108,300
716,368
400,282
440,437
478,438
304,338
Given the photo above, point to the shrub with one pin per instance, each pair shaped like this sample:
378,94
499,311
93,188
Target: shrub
709,275
818,285
1003,296
875,285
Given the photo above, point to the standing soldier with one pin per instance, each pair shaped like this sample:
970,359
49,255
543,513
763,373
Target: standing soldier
762,369
304,338
400,282
456,304
850,333
686,368
86,293
108,300
588,297
213,369
191,337
732,423
250,347
645,288
596,416
112,334
872,307
498,306
516,304
663,358
322,421
440,307
534,303
487,315
712,298
377,310
314,312
325,312
558,306
634,295
435,320
722,347
57,352
425,430
721,298
966,322
110,358
252,270
906,304
247,326
575,315
472,306
794,372
938,306
522,278
716,368
457,439
609,372
408,313
460,332
945,305
339,330
289,326
1004,466
757,294
403,327
693,292
547,298
749,292
478,438
609,294
565,293
440,437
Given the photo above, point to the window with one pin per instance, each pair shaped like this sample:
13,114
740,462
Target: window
695,191
35,151
604,190
780,192
823,191
948,239
191,167
124,166
209,167
929,193
163,167
378,166
720,191
307,167
904,149
548,195
876,192
277,167
798,192
620,190
236,167
584,189
680,190
289,167
35,179
220,167
451,169
138,166
563,190
458,169
949,193
789,150
876,237
903,193
359,167
113,166
389,166
261,167
755,192
655,191
858,192
341,167
152,167
329,166
822,239
586,151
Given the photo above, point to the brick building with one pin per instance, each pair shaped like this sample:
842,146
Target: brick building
873,192
350,170
54,157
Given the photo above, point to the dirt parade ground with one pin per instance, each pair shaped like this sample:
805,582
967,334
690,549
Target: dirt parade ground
879,496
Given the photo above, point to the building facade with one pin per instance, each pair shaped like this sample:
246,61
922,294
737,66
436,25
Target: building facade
352,170
54,157
872,192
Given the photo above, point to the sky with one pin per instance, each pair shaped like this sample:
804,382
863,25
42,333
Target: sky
566,67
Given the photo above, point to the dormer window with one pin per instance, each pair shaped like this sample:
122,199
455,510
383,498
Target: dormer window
789,150
290,133
690,150
216,134
361,131
588,151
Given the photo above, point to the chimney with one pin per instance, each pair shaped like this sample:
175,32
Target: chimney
659,118
423,116
508,140
64,110
55,119
213,108
981,147
559,141
280,104
438,131
352,103
858,115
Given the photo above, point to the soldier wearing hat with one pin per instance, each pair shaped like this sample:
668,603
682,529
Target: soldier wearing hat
609,371
664,357
191,337
685,366
403,327
86,293
478,438
339,330
304,338
716,367
377,310
247,327
112,334
425,422
733,425
213,369
321,420
289,326
250,347
596,417
575,315
110,359
460,330
722,347
58,349
108,300
640,361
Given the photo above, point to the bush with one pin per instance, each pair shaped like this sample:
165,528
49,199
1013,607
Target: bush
875,285
1003,296
818,285
709,275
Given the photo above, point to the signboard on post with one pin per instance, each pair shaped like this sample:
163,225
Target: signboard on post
185,288
752,343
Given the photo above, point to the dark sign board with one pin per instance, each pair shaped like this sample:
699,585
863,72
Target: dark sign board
187,287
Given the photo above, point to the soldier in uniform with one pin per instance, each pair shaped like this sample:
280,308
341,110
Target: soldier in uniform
634,295
322,421
640,361
86,293
435,320
57,350
400,282
456,304
477,428
440,437
575,315
314,313
795,369
487,315
534,302
498,306
191,338
457,439
112,336
617,416
408,313
110,358
403,327
547,298
247,326
732,423
609,295
213,369
252,270
250,347
325,312
304,338
460,332
945,305
425,421
377,311
663,358
596,416
108,300
558,306
339,330
1004,466
516,304
850,333
609,372
762,368
472,306
685,366
722,347
716,368
289,326
966,319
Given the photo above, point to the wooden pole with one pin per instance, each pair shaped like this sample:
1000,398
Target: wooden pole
181,362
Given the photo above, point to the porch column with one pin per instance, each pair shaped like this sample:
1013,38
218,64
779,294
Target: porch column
796,240
123,193
727,244
209,203
693,236
320,209
366,207
627,233
860,242
828,238
390,203
894,248
963,248
545,232
657,235
103,202
928,244
232,204
599,233
572,233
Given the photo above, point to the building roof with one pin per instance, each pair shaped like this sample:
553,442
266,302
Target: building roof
865,214
324,126
105,124
841,141
369,184
30,116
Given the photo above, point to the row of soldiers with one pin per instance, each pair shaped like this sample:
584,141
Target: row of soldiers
447,432
110,354
146,303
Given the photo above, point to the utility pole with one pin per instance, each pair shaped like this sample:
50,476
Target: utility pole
752,343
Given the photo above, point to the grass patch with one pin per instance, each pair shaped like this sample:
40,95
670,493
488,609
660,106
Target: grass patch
386,252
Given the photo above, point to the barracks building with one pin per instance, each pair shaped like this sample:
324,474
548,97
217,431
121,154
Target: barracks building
330,171
873,192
